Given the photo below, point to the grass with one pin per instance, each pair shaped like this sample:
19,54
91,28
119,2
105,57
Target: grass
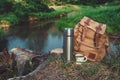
86,71
109,15
107,69
58,13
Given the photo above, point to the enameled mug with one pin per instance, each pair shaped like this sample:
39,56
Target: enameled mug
80,58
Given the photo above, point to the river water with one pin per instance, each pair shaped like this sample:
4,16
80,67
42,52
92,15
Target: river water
39,37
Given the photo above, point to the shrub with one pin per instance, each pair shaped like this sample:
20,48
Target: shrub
9,18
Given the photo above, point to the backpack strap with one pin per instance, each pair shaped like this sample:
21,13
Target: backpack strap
97,35
98,28
84,29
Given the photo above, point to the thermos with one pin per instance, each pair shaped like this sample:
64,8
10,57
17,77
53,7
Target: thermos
68,44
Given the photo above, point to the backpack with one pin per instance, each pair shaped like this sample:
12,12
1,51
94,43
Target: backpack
90,39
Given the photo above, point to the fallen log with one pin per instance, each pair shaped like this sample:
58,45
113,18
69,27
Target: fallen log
6,61
42,62
21,58
32,75
115,36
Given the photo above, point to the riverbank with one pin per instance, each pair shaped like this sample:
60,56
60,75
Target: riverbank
11,19
109,15
56,69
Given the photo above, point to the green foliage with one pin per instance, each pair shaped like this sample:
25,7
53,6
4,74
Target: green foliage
94,2
9,18
22,9
109,15
36,6
83,2
57,13
62,24
89,69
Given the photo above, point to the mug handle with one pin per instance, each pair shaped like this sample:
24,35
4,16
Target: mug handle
85,58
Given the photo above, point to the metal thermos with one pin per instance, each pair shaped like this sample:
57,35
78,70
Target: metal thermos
68,44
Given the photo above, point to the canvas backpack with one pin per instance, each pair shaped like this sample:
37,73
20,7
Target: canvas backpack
90,39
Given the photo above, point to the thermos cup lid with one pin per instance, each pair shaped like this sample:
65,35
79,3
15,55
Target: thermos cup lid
68,32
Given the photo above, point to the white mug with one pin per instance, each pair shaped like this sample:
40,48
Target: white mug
80,58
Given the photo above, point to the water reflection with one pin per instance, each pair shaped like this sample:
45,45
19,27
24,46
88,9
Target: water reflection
14,41
52,41
42,38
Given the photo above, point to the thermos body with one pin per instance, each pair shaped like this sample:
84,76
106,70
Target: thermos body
68,44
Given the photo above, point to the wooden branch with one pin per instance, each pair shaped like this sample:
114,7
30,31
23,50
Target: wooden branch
115,36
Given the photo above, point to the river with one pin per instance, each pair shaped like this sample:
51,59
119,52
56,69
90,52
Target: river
39,36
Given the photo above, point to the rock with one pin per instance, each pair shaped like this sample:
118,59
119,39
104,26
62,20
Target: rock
57,51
